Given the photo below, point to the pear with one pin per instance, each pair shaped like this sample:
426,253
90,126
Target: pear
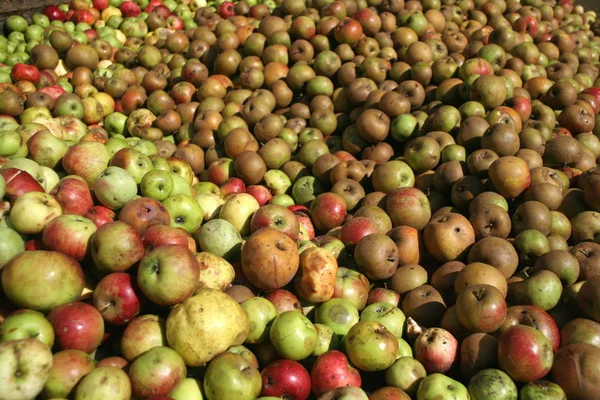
205,325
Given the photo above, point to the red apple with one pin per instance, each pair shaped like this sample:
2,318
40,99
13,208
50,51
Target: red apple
74,195
436,349
130,9
277,217
69,234
117,297
524,353
100,215
54,13
328,211
232,185
77,326
226,9
19,182
355,229
25,72
332,370
260,193
287,379
284,300
158,235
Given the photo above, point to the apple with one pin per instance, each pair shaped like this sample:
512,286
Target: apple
261,312
492,382
114,187
142,334
481,308
25,366
100,215
168,274
68,368
387,315
524,353
103,383
220,238
436,349
205,324
19,182
156,372
42,280
24,324
69,234
332,370
370,346
78,326
115,247
32,211
436,384
405,373
184,211
11,244
238,211
231,375
293,335
286,378
338,314
74,195
117,298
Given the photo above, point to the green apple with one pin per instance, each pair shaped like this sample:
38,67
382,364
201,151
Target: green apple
146,147
238,210
277,181
404,349
370,346
11,244
32,211
24,324
104,383
284,200
11,143
338,314
231,376
51,178
219,237
157,184
132,161
306,188
15,23
46,149
293,335
541,390
404,127
260,313
114,144
436,386
387,315
492,383
326,340
185,212
115,123
207,188
115,187
405,373
188,389
41,20
180,185
34,33
2,188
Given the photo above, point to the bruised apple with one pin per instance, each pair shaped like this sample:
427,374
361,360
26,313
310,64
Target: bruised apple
315,281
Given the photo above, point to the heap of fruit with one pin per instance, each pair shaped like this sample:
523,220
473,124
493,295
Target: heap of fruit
326,199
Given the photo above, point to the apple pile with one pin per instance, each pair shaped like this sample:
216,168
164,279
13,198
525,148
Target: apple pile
290,199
